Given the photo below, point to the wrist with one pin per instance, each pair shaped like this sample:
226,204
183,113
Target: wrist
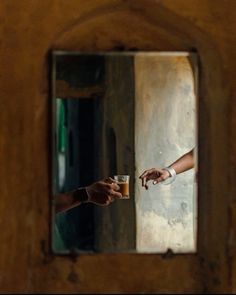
171,174
80,195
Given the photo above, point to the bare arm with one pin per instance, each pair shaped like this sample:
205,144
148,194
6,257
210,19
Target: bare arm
68,200
182,164
101,193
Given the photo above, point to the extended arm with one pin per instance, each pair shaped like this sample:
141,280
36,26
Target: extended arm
182,164
101,193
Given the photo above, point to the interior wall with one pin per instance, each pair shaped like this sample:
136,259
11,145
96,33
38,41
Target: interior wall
29,30
165,129
115,224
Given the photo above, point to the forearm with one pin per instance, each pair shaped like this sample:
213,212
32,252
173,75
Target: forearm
69,200
184,163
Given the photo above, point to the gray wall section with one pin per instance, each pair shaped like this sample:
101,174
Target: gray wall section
115,224
165,108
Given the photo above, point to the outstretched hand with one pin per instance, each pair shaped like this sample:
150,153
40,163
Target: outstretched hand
155,174
103,192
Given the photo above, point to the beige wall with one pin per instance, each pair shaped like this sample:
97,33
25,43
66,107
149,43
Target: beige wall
165,128
29,30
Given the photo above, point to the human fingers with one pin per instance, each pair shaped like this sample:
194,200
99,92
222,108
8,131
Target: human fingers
110,187
146,173
110,199
115,195
158,180
143,177
151,174
105,187
143,174
147,178
143,181
111,191
115,186
110,180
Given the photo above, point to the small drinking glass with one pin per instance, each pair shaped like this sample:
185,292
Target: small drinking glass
123,182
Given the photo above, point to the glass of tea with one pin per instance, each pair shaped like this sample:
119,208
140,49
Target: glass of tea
123,182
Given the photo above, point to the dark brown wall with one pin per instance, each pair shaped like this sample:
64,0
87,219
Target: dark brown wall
115,224
29,30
